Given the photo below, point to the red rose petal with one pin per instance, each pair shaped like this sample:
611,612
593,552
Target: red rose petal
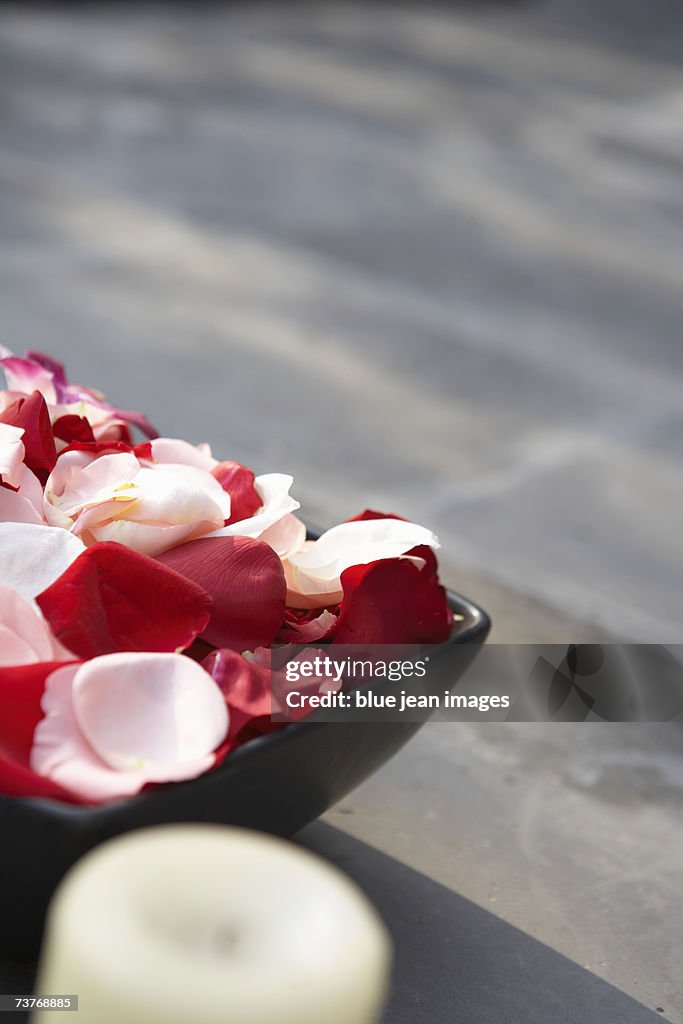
72,428
392,601
307,625
246,687
141,451
238,482
247,583
21,690
370,513
115,599
32,415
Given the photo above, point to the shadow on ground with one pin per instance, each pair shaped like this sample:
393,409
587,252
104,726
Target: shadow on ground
457,962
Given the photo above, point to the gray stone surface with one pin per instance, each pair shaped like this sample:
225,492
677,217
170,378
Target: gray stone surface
529,873
428,258
438,252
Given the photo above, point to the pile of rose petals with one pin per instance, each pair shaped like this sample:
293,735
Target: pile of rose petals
139,577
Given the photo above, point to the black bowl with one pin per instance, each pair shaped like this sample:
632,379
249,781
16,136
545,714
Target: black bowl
277,783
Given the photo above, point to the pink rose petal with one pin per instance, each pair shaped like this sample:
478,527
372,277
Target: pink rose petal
11,453
33,556
25,637
286,536
118,722
27,376
148,710
122,496
24,505
173,451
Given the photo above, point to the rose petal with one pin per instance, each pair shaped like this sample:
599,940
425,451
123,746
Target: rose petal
150,540
309,685
246,688
239,482
115,497
174,451
151,711
27,376
356,543
70,428
32,556
80,481
159,688
57,369
25,636
71,394
193,493
38,372
110,446
273,489
24,505
306,626
246,581
32,416
62,755
285,537
114,599
76,395
422,551
21,690
314,573
392,601
11,453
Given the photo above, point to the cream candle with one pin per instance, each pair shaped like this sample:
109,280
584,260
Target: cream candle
201,924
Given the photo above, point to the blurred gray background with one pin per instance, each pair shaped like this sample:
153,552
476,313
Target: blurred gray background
428,258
